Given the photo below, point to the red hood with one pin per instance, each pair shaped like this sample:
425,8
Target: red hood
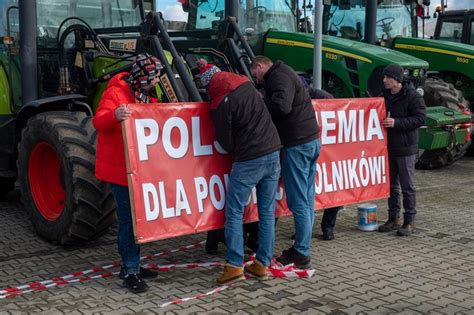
117,80
222,83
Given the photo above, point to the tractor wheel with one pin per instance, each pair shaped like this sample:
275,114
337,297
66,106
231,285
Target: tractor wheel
441,93
437,158
56,164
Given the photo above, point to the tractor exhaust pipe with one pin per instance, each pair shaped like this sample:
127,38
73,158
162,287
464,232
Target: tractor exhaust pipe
28,51
370,21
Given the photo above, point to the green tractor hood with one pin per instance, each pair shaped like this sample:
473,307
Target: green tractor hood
359,51
441,55
350,68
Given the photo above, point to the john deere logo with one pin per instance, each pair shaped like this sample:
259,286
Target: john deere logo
416,72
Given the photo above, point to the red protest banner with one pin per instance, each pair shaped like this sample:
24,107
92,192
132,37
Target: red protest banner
178,173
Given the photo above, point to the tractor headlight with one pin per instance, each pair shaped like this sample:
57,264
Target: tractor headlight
420,91
422,72
406,73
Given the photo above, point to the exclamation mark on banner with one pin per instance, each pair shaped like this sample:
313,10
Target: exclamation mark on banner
384,177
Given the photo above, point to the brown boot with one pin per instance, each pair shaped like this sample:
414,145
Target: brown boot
407,229
392,224
258,270
231,274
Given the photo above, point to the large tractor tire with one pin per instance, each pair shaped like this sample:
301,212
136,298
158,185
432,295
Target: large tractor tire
441,93
67,204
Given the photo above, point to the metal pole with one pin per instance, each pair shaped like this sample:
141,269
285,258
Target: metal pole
442,6
232,8
177,61
370,21
28,51
318,33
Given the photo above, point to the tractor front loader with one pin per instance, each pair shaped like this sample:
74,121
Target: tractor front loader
56,57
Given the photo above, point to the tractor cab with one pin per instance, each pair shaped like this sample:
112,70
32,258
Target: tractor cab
252,15
456,26
347,19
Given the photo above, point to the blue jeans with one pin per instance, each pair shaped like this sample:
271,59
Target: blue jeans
129,251
262,173
299,171
402,175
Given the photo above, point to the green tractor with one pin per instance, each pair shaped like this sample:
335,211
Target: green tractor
56,57
275,28
450,78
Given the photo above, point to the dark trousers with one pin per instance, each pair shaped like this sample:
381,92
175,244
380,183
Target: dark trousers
328,222
129,251
402,181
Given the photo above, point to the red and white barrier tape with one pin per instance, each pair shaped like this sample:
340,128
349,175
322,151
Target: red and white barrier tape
92,270
275,270
197,296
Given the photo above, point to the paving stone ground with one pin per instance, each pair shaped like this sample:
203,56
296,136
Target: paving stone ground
357,273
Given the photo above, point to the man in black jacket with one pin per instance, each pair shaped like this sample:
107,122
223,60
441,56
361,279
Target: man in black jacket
244,128
290,105
405,114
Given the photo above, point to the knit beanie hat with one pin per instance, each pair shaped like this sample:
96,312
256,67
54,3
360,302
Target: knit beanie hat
145,68
394,71
206,76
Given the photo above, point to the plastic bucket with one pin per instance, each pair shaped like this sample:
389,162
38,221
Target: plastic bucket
367,217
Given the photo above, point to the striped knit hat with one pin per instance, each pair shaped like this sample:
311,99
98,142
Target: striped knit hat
206,76
145,68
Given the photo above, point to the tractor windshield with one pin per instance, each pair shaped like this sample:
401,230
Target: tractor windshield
259,15
98,14
347,19
451,30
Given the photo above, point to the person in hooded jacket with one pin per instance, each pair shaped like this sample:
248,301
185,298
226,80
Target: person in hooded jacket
244,128
290,105
406,112
124,88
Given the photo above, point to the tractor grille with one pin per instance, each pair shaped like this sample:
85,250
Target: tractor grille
418,82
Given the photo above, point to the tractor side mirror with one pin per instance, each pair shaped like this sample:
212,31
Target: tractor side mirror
185,5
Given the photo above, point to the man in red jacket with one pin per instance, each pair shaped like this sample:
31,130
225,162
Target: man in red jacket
124,88
244,128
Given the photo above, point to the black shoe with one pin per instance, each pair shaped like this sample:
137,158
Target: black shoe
252,244
291,256
407,229
213,239
135,283
144,273
328,235
390,225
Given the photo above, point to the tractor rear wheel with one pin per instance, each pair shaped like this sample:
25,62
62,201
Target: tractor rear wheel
441,93
56,164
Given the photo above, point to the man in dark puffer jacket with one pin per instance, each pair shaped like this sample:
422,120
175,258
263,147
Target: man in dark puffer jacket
244,128
290,105
405,114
